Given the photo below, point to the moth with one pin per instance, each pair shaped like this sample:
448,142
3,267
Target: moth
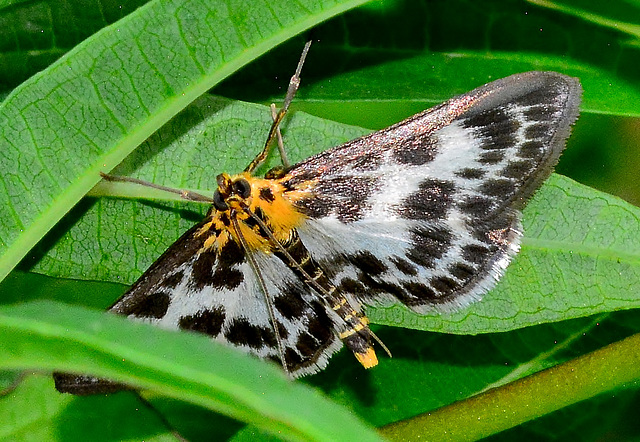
425,213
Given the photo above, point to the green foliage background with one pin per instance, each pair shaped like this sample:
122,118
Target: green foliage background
571,291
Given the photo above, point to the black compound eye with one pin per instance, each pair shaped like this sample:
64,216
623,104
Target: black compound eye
218,202
242,188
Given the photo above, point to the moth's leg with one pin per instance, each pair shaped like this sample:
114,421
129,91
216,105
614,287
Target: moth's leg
294,84
184,194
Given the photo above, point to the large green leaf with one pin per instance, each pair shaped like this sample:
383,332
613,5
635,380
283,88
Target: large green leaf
179,365
619,16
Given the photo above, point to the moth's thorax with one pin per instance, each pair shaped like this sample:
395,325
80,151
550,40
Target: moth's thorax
269,200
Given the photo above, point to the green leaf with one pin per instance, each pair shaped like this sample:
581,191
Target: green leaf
180,365
36,33
428,79
55,415
615,15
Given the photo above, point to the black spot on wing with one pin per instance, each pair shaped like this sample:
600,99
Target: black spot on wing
203,268
415,151
208,321
153,306
293,359
444,285
537,96
429,245
471,173
172,281
307,345
282,330
404,266
491,157
316,206
537,131
539,113
226,274
476,206
312,339
419,294
367,162
517,169
226,279
345,196
498,188
374,287
290,303
349,285
431,201
496,128
243,332
462,271
320,326
368,263
531,149
475,253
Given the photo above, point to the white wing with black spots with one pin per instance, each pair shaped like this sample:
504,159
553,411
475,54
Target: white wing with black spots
216,292
427,211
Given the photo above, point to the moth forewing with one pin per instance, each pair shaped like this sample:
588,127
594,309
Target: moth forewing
425,213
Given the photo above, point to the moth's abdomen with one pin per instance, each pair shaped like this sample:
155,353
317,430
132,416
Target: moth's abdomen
350,324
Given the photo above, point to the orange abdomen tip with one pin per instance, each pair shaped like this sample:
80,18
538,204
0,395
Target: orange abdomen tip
368,359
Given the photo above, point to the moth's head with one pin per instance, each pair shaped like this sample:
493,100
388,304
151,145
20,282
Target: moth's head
231,192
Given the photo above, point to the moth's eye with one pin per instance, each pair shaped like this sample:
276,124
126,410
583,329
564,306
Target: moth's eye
242,188
218,202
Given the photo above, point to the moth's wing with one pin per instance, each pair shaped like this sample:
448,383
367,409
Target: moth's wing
148,297
427,211
216,292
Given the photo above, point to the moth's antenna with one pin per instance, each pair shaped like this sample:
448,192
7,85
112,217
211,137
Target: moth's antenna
283,153
263,286
294,84
184,194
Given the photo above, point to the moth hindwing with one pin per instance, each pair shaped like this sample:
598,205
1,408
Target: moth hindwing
425,213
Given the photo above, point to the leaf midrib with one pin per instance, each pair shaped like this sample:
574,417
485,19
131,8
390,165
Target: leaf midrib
612,254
